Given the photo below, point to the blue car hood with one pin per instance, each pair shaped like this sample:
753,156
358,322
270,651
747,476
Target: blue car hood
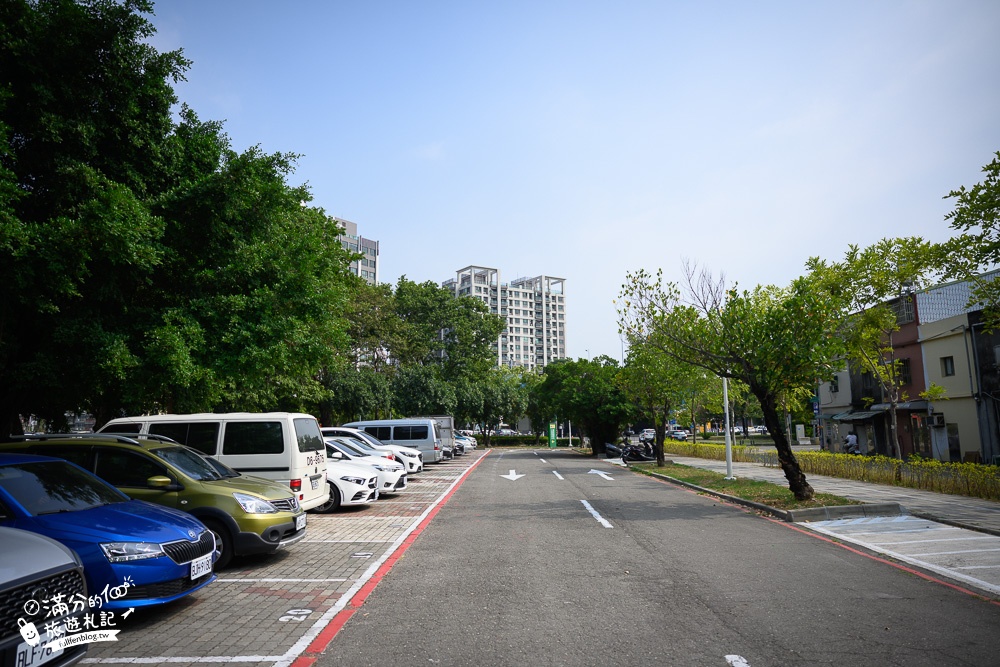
132,521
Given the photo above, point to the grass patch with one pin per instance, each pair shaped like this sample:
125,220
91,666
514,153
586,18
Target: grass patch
765,493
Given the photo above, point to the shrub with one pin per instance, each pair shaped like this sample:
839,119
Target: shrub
968,479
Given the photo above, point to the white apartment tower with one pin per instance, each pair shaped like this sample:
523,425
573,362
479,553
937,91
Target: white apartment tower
367,266
534,309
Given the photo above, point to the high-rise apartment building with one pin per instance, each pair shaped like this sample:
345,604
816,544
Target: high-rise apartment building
367,266
534,309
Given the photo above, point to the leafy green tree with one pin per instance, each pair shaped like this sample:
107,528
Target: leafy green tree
85,111
420,390
657,384
503,398
770,338
977,249
872,283
456,333
151,266
354,393
587,392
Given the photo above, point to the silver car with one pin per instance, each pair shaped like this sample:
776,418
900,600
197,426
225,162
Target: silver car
34,570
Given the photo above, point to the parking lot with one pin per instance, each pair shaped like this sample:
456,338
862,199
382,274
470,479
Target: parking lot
278,609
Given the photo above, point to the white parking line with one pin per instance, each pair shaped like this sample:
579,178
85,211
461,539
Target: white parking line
949,553
294,581
557,474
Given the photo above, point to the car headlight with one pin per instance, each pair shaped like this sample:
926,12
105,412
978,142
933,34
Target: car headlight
354,480
380,468
122,552
412,456
253,504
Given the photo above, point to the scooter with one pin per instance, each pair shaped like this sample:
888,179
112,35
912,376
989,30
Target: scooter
634,453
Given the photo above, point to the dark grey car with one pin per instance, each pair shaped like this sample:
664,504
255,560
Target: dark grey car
35,574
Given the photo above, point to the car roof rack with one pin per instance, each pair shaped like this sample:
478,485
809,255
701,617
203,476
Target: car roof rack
127,438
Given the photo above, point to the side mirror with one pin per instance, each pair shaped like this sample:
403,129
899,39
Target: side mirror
336,456
159,482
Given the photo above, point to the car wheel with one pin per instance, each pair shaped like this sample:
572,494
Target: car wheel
223,543
333,503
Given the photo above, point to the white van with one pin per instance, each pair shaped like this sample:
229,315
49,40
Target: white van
287,447
416,433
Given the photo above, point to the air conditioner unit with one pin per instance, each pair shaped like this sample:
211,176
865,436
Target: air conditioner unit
937,419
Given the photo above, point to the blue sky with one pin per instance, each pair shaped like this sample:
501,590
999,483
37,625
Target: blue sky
588,139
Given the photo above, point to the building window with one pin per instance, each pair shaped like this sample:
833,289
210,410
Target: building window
904,372
947,366
834,385
903,308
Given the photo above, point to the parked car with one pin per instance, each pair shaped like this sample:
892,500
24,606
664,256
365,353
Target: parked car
391,475
677,434
286,447
350,484
408,456
647,435
155,553
468,441
420,434
32,563
246,514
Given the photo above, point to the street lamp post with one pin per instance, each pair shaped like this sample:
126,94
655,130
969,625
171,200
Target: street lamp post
729,439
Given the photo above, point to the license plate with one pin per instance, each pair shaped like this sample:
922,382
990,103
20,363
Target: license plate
315,483
201,566
29,656
300,522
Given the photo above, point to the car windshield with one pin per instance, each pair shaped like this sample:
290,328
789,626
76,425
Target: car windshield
193,465
369,438
345,448
221,467
361,445
51,487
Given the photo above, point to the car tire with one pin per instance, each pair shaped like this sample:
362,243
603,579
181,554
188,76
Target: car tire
223,543
333,504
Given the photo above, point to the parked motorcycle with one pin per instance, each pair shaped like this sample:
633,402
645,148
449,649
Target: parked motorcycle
634,453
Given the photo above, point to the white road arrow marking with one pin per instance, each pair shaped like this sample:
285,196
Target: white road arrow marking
737,661
599,472
512,476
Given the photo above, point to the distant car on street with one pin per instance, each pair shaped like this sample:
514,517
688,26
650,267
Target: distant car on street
647,435
677,434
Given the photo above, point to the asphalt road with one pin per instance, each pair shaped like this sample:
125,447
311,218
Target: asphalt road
523,572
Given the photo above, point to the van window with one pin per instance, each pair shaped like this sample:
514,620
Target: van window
199,435
410,433
122,428
253,438
308,435
383,433
123,468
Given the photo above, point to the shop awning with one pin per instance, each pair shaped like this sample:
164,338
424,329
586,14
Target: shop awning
856,416
904,405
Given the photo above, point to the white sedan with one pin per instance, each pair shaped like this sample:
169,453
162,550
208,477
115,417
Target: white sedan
350,484
391,475
408,456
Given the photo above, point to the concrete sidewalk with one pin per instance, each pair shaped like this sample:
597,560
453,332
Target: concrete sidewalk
963,511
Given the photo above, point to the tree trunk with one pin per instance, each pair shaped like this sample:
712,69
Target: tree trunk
793,473
661,434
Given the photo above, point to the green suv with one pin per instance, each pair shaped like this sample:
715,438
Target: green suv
248,515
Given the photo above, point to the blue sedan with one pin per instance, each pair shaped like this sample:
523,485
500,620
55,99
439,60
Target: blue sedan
134,553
